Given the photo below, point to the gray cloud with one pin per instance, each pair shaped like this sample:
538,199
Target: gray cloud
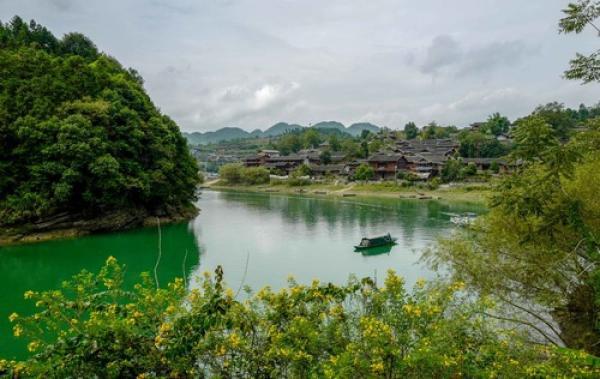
215,63
444,51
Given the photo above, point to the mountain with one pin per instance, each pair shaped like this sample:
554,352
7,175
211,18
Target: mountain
231,133
357,128
281,128
330,125
223,134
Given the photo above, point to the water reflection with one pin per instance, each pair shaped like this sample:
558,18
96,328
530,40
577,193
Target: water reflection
46,265
312,237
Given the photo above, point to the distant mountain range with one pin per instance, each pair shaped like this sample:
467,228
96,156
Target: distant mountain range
233,133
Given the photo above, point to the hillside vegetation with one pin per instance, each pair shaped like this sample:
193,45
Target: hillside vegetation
78,133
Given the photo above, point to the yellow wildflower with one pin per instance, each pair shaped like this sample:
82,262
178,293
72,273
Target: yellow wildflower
234,340
377,367
229,293
111,260
13,317
33,346
17,330
29,294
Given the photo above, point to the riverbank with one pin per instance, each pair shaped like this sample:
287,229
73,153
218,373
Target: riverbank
465,192
65,225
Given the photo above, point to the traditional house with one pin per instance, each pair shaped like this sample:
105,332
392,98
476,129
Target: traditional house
261,158
328,169
386,166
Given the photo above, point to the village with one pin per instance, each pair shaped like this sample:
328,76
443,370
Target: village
421,160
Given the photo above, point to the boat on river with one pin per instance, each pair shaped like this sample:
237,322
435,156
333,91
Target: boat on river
370,243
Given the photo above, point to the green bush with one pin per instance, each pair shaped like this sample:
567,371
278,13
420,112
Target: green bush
434,183
92,327
235,173
364,172
255,175
298,177
469,170
231,173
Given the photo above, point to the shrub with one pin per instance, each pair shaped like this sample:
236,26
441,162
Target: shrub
254,175
93,327
434,183
364,172
469,170
452,170
235,173
231,173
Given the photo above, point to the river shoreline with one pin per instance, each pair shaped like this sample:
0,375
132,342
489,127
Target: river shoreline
477,194
69,226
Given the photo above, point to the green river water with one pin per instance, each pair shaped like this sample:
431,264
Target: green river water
259,239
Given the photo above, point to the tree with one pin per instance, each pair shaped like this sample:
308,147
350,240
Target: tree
496,124
476,145
334,143
78,44
351,148
429,130
325,157
411,131
533,137
579,15
452,170
364,172
311,138
559,118
537,251
375,145
289,143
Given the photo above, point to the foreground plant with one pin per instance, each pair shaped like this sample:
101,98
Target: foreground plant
93,327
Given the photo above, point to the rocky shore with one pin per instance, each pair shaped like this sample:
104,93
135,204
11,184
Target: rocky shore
69,225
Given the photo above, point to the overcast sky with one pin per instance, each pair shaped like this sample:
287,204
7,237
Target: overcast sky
252,63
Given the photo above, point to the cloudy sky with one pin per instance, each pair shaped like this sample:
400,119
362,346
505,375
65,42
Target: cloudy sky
252,63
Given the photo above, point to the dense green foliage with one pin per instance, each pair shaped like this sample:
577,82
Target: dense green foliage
411,131
496,124
476,144
93,327
78,133
234,173
538,249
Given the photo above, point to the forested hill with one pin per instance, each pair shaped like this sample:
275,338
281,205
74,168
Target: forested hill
233,133
78,133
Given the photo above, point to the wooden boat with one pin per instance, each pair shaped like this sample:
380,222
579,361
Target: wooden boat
369,243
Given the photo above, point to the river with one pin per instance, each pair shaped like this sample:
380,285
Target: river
258,239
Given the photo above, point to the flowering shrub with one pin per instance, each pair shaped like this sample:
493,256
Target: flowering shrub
92,327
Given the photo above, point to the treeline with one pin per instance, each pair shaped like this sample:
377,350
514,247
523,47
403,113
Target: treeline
78,133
